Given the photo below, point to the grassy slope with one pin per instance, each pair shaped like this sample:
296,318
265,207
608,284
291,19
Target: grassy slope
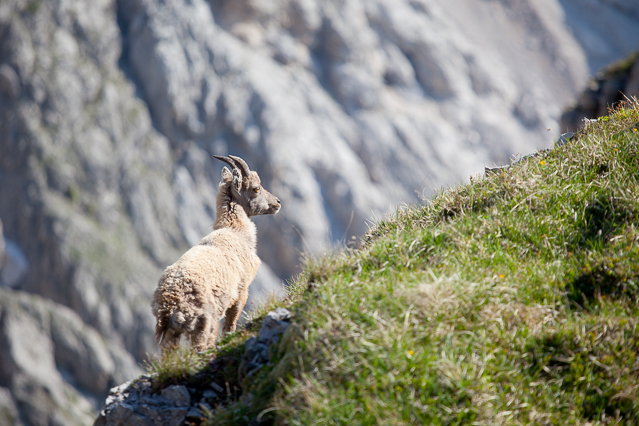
510,300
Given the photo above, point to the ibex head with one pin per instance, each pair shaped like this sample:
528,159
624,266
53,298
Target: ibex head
246,188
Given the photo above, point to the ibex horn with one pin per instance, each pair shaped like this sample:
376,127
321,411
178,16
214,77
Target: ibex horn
227,160
246,171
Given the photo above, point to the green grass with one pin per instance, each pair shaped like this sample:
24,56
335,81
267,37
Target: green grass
174,366
510,300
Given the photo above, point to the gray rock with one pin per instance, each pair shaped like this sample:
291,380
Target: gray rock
494,170
274,325
9,81
162,414
194,414
135,403
606,30
564,139
8,412
258,351
28,366
2,247
217,388
178,394
124,415
15,265
209,394
52,360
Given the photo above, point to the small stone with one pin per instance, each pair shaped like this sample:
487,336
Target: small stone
209,394
280,314
178,394
264,351
564,138
194,414
120,388
217,388
276,323
114,398
250,342
493,170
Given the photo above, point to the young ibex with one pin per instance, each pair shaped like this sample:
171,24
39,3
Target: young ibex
212,279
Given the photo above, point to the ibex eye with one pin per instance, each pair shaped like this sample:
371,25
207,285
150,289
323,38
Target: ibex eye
256,190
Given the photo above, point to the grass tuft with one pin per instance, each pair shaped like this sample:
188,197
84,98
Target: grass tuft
174,366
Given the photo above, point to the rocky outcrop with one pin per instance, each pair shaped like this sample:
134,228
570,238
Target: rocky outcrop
2,247
135,403
257,350
53,367
110,112
607,31
615,84
13,263
81,166
139,402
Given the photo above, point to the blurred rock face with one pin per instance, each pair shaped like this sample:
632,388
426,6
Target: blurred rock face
617,83
111,111
607,30
53,364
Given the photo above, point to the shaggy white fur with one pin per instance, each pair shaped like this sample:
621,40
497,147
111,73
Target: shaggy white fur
212,279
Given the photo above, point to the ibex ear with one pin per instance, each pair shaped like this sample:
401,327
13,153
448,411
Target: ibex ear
226,175
237,179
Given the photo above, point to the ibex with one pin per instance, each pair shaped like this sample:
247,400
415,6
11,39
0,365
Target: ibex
212,279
